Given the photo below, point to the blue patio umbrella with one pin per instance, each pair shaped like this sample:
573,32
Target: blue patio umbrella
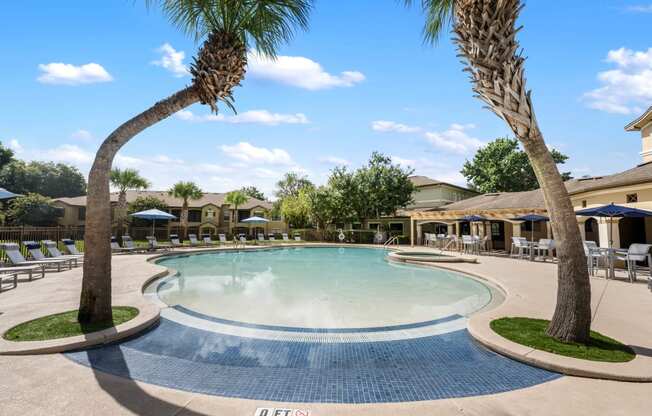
474,218
255,220
4,194
612,211
532,218
153,214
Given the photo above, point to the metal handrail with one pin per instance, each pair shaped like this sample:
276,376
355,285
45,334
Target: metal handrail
393,240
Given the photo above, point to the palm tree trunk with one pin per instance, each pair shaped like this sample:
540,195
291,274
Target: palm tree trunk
95,298
121,215
184,219
486,38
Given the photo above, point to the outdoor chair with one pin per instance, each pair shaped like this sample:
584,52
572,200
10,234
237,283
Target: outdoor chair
243,239
35,252
29,270
16,258
636,252
10,276
285,237
71,247
545,246
483,243
272,238
129,244
519,247
193,240
115,247
469,244
54,252
206,238
222,238
594,256
174,240
297,238
155,245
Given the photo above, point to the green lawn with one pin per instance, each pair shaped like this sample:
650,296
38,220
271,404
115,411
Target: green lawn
532,332
64,325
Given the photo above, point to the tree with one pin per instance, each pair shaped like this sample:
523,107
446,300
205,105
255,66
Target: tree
125,180
143,203
236,198
291,184
295,209
229,29
501,166
6,156
33,209
50,179
327,206
253,192
485,34
185,191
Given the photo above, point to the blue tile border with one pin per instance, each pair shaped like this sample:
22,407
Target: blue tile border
429,368
200,315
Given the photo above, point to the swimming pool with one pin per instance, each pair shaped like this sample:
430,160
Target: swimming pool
310,287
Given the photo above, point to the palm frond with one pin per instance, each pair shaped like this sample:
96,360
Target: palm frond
439,14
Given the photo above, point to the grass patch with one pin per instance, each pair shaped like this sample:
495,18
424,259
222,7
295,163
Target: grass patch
63,325
532,332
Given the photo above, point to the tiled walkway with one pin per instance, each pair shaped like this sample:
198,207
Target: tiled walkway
433,367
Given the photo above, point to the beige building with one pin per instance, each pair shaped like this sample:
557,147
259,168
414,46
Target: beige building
207,215
632,187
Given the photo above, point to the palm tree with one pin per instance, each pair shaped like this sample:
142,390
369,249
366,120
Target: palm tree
125,180
236,198
185,191
230,28
485,35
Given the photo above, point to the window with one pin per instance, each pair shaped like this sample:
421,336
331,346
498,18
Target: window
176,213
374,226
194,215
210,214
631,198
81,213
584,204
356,226
226,214
396,228
276,216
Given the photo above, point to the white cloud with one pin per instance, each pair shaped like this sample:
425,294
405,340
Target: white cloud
334,160
172,60
247,117
82,134
408,163
15,146
67,74
455,139
391,126
66,153
300,72
641,8
626,89
246,152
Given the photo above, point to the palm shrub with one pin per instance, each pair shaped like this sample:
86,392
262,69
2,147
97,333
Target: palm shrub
125,180
484,32
228,28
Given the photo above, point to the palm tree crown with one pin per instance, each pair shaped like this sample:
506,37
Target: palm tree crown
186,191
236,198
438,13
231,27
128,179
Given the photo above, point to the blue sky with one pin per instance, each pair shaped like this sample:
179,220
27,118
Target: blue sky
360,80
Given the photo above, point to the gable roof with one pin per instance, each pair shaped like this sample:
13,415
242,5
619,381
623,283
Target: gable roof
642,121
420,181
209,198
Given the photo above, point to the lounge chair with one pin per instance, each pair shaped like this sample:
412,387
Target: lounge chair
261,237
35,252
193,240
636,252
243,239
54,252
71,247
13,276
174,241
29,270
272,238
206,238
128,243
222,238
16,258
285,237
115,247
155,245
297,238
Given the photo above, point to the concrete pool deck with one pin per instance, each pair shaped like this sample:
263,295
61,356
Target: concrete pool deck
52,384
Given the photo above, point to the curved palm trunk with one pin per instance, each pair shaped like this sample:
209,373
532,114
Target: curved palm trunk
486,38
95,299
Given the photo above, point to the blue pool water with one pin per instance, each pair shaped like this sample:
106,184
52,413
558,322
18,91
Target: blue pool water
318,287
223,334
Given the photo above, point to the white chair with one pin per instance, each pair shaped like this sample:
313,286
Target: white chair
261,237
285,237
175,241
193,239
71,247
11,275
520,247
129,244
155,245
115,247
468,244
16,258
297,238
206,238
594,256
545,246
222,238
35,252
54,252
636,252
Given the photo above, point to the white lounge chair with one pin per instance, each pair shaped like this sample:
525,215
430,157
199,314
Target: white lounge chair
206,238
29,270
71,247
115,247
13,276
285,237
193,240
261,237
297,238
272,238
155,245
35,252
54,252
175,241
16,258
636,252
222,238
243,239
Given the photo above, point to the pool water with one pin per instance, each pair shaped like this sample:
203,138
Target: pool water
325,287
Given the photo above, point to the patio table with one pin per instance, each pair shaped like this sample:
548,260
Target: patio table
610,255
531,246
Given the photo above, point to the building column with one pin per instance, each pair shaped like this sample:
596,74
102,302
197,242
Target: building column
458,231
412,231
449,228
516,229
581,222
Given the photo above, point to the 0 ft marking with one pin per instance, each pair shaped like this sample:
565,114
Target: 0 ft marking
268,411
